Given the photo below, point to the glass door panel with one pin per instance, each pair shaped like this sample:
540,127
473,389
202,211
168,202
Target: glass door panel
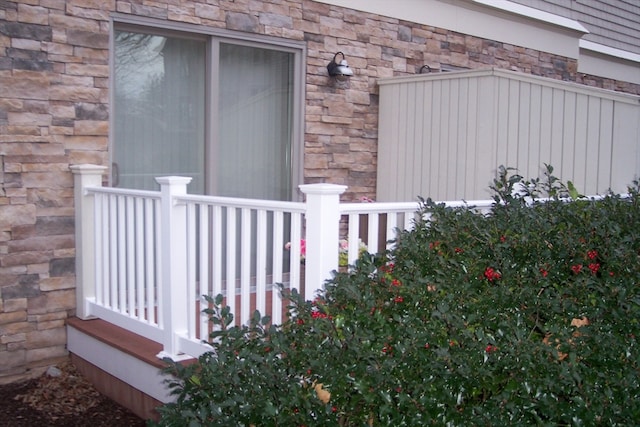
159,110
253,151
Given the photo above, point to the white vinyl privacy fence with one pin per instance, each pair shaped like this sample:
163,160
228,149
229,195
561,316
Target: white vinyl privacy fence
443,135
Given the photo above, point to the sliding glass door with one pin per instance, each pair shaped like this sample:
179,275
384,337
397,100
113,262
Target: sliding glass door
237,141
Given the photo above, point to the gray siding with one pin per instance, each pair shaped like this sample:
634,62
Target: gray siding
613,23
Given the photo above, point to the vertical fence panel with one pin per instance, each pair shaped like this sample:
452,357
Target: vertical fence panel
278,244
203,261
216,252
158,266
193,240
591,147
121,263
295,278
130,284
231,259
392,224
605,147
261,261
113,252
353,238
139,260
373,233
150,260
246,238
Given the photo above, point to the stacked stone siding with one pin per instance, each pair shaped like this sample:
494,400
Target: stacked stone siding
54,112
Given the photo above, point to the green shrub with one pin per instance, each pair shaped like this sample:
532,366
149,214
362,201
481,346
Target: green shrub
527,315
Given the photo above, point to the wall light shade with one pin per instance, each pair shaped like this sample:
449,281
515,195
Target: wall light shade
340,71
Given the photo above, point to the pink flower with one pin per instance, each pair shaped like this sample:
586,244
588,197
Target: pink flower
303,248
576,268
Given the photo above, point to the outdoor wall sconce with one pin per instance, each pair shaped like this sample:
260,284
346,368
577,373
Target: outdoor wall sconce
340,71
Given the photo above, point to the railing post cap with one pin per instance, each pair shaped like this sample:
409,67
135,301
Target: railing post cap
173,180
322,188
86,168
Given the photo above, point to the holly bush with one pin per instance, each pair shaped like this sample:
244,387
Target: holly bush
529,314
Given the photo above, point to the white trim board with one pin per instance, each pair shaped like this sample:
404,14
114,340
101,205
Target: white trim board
133,371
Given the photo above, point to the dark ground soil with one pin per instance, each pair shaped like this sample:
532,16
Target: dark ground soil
64,400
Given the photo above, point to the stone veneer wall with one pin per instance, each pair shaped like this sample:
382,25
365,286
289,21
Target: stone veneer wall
54,105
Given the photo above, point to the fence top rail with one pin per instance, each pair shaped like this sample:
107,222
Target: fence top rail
235,202
378,207
396,207
300,207
124,192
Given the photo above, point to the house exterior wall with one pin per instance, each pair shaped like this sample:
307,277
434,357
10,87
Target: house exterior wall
54,112
614,23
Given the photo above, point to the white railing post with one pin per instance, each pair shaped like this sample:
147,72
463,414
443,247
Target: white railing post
85,176
322,233
173,261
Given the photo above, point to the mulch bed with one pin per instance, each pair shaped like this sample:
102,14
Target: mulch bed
61,398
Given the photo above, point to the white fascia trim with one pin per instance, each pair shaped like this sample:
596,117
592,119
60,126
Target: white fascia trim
129,369
610,51
532,13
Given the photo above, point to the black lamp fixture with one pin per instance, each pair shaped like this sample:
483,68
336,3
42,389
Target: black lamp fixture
340,71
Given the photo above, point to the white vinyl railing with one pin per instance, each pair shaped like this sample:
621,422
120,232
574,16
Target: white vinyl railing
236,247
145,258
